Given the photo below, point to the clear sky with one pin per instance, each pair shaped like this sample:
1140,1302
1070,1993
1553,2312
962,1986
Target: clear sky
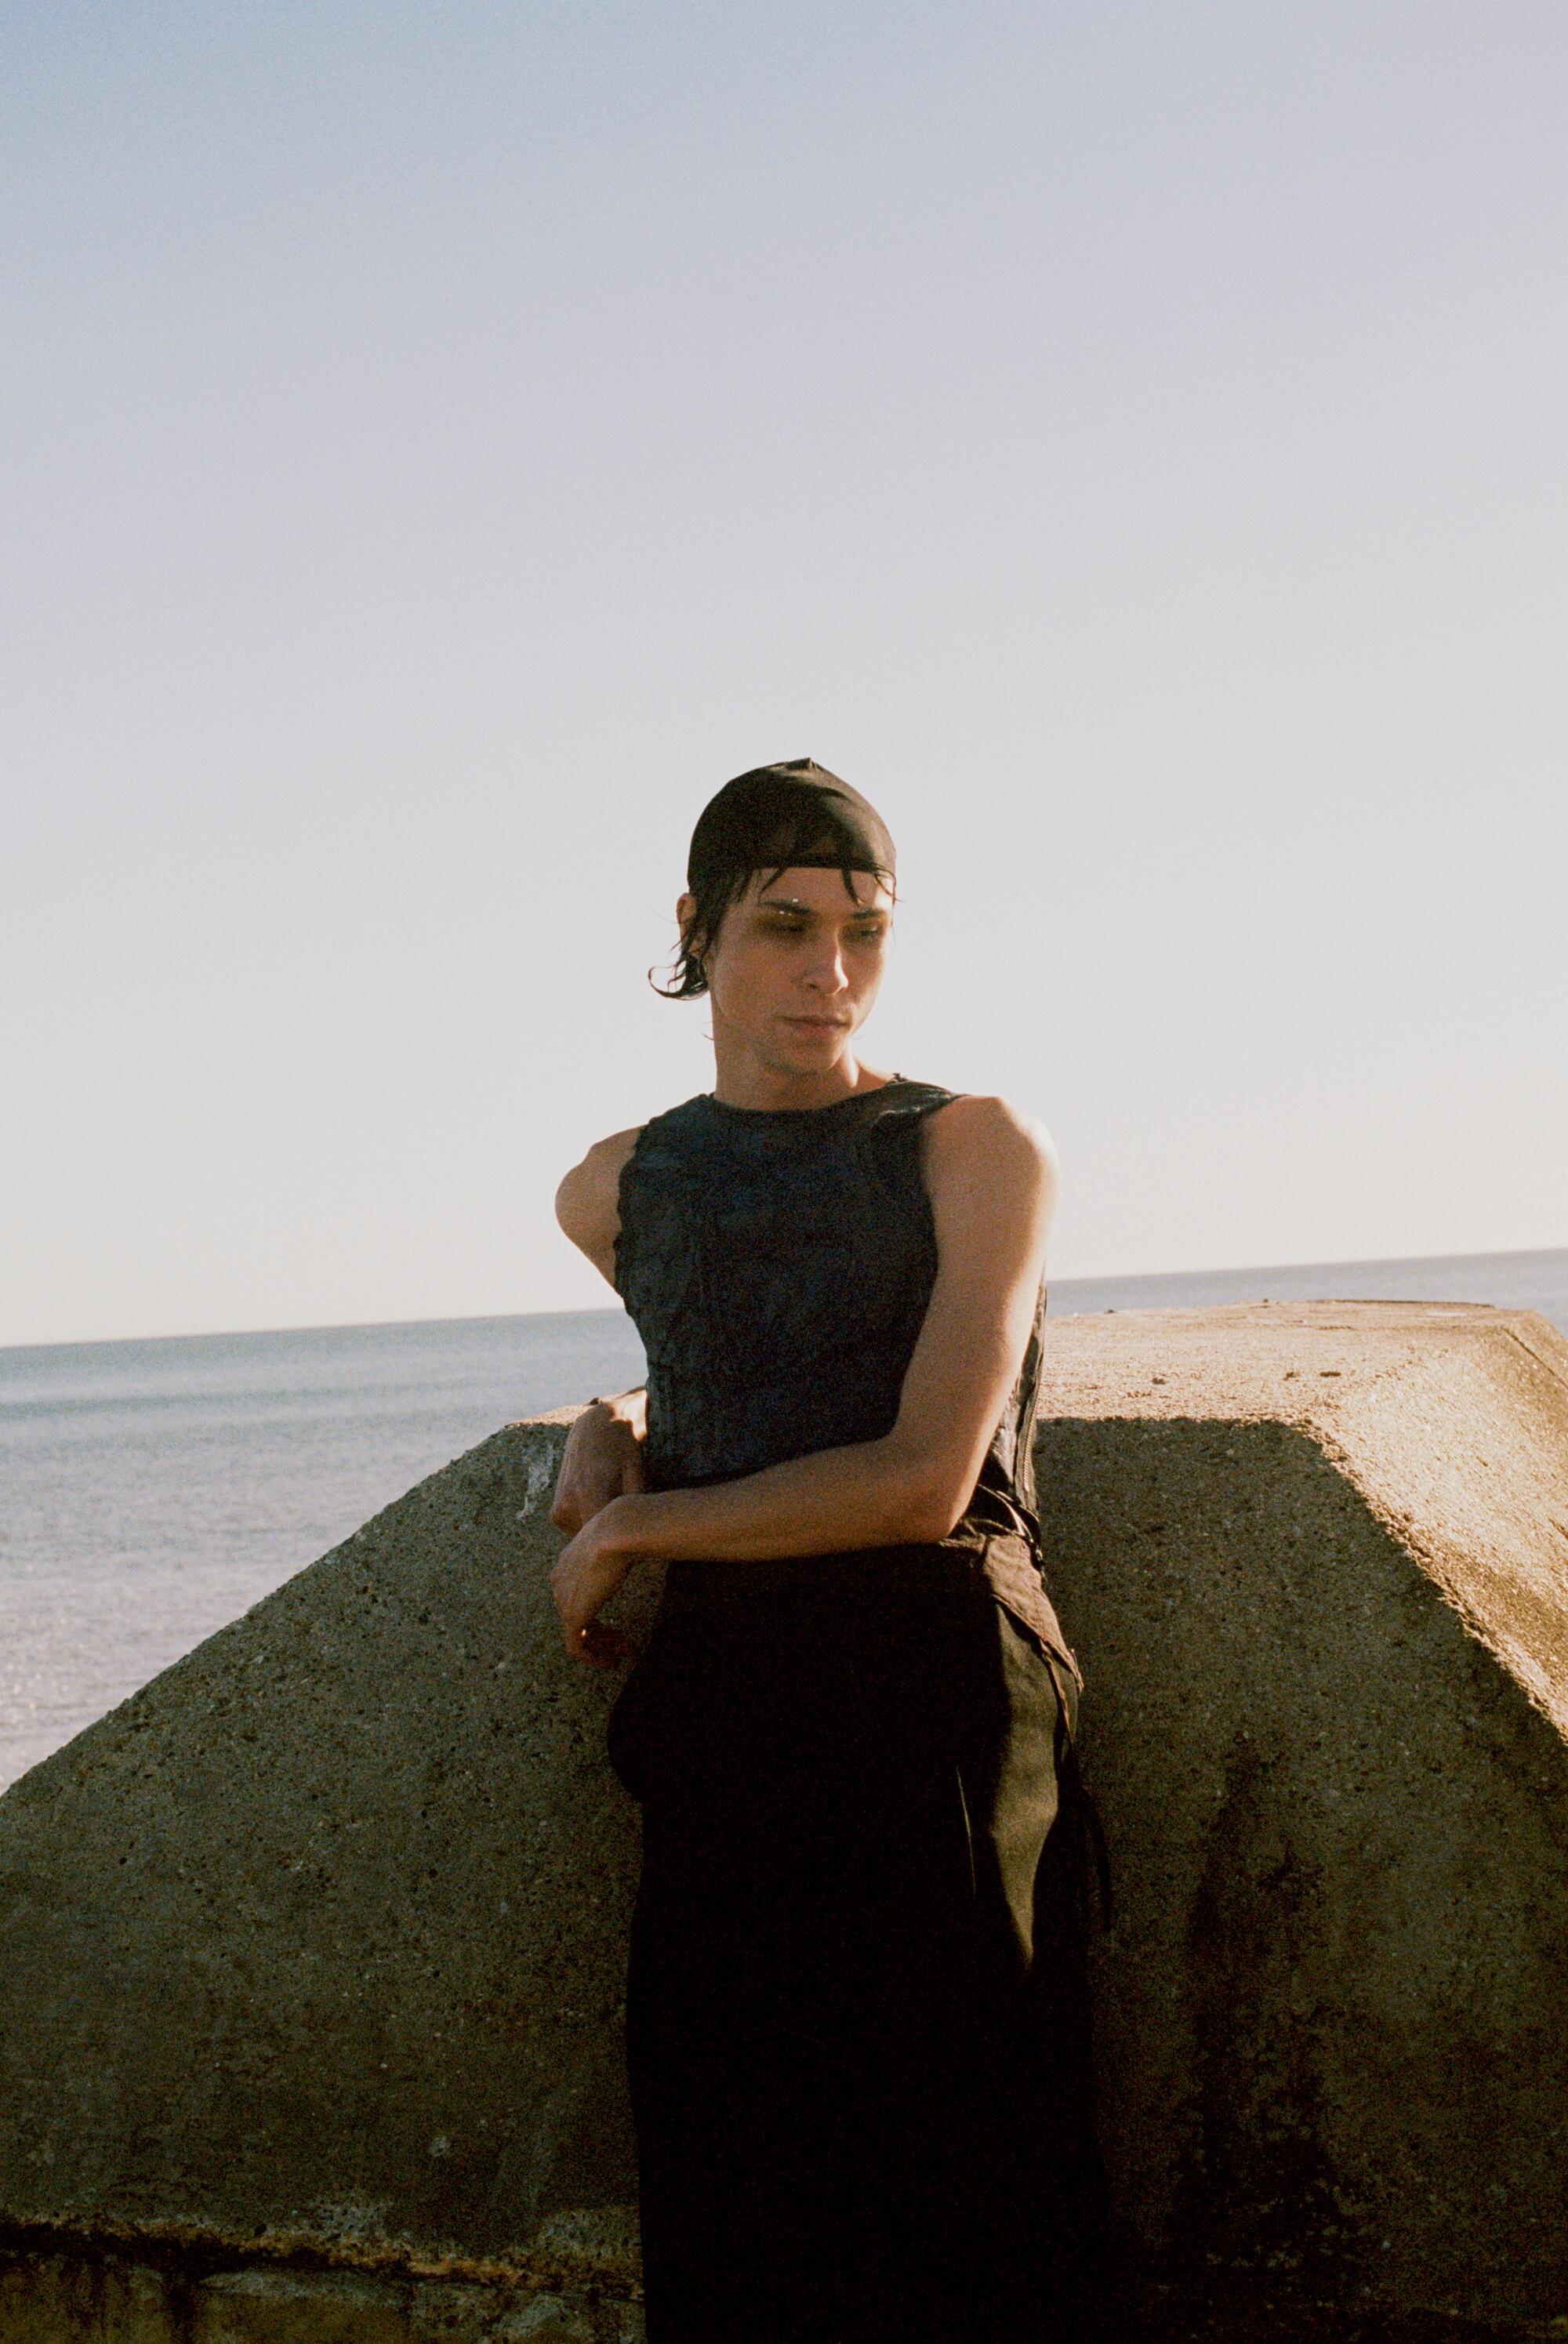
442,443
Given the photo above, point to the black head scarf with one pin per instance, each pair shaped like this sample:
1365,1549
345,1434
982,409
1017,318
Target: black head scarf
777,816
773,818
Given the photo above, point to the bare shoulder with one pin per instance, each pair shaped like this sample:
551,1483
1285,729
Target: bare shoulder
990,1172
978,1137
588,1201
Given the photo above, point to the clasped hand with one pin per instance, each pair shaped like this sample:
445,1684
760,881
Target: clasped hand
601,1471
585,1576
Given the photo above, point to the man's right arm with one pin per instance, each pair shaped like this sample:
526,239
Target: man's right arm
588,1201
603,1454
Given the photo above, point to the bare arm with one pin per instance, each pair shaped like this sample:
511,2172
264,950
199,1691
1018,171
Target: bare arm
588,1201
603,1459
991,1177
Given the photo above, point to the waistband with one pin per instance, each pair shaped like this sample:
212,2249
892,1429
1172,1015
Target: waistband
995,1566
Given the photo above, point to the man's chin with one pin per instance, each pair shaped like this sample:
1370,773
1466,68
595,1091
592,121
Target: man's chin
813,1047
831,1032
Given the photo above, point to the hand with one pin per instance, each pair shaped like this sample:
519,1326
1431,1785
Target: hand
585,1576
602,1459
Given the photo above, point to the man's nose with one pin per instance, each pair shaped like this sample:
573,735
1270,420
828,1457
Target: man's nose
823,969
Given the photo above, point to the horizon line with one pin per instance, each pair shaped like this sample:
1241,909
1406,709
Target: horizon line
591,1310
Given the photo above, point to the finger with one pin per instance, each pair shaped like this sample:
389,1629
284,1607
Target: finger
584,1641
574,1627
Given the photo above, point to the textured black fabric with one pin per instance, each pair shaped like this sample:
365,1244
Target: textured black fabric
857,2014
857,2032
778,1265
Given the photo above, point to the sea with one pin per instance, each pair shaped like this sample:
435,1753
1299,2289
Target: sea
151,1491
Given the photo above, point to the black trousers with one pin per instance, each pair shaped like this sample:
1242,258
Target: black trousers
857,2023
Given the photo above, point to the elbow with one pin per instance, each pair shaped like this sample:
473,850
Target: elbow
929,1502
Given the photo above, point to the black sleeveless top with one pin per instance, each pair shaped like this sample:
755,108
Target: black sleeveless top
777,1264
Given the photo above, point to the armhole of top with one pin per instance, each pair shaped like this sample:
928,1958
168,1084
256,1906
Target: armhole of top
922,1113
617,1257
923,1109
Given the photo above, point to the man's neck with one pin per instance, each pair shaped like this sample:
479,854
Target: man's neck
743,1078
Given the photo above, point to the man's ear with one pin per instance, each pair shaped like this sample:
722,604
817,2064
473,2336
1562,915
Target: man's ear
685,912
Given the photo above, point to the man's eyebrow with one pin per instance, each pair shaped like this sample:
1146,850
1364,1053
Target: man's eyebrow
796,903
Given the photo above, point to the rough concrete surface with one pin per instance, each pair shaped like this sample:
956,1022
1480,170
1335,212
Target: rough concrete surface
1314,1560
313,1948
315,1943
118,2300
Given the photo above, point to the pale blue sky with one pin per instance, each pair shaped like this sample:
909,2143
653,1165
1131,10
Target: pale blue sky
441,444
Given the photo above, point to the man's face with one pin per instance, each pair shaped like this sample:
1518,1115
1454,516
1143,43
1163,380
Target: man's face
797,961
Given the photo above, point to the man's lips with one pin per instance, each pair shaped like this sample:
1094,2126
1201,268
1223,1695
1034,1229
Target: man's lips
819,1025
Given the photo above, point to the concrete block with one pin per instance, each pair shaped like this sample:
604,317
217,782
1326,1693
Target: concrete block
1314,1560
316,1944
76,2298
547,2320
273,2307
445,2311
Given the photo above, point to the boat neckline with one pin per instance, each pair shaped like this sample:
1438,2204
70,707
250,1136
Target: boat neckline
798,1113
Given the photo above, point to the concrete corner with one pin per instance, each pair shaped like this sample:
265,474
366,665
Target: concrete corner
1314,1560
